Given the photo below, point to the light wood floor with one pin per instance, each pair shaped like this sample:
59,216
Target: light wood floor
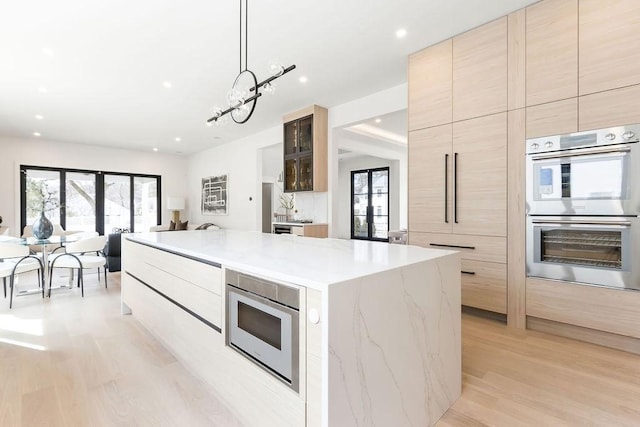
70,361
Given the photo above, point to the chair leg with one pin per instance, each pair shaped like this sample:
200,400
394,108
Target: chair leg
11,291
41,271
81,282
105,277
4,285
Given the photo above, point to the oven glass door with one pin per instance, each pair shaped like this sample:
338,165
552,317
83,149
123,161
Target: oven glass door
263,330
592,250
590,177
583,182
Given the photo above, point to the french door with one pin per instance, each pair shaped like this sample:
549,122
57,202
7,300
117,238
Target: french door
370,204
84,200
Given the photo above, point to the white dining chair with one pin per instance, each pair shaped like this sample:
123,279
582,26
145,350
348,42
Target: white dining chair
14,260
80,255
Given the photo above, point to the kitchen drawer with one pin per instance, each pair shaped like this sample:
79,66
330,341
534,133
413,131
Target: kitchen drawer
206,276
478,248
297,231
484,285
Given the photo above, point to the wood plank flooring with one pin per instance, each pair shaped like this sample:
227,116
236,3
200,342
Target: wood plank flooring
70,361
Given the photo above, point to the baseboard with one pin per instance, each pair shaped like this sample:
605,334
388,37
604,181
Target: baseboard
491,315
607,339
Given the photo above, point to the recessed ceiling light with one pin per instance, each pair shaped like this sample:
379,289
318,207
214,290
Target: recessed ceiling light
217,137
36,134
378,120
43,89
39,116
303,79
155,149
167,84
48,51
401,33
178,139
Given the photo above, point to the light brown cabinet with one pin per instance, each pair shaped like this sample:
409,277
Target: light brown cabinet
552,51
305,150
554,118
430,86
429,179
610,108
609,45
479,176
458,200
479,65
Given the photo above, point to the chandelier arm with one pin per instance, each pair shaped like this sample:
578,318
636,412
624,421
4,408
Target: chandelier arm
230,109
272,78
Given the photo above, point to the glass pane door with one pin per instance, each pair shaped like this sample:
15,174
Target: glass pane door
42,193
145,203
305,136
370,204
117,202
80,201
290,138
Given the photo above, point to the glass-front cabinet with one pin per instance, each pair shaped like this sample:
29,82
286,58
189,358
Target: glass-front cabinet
298,154
305,146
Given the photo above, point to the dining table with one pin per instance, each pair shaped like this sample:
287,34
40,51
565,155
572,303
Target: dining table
45,246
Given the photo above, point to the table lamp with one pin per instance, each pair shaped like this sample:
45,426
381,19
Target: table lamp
175,204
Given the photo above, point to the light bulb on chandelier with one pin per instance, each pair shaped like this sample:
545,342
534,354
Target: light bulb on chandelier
244,94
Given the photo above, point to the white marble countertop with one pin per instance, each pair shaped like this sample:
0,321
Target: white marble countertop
310,262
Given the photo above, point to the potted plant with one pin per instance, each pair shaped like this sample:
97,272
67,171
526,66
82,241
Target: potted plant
287,201
41,199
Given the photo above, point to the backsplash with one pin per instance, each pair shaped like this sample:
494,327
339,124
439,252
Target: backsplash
312,206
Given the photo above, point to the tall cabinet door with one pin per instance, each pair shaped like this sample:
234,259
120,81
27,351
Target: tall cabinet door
430,85
430,179
480,176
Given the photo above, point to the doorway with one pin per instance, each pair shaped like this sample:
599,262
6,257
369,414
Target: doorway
370,204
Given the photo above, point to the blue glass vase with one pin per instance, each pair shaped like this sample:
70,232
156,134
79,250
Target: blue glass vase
42,227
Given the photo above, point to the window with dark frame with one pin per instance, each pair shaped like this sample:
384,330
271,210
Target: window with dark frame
86,200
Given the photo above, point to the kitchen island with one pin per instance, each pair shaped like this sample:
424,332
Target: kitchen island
379,325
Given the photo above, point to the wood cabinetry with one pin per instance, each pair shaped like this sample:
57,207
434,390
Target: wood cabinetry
610,108
609,45
479,176
552,51
430,86
479,65
305,150
457,200
554,118
429,179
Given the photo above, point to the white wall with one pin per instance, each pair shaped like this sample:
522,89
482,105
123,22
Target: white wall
241,160
27,151
343,225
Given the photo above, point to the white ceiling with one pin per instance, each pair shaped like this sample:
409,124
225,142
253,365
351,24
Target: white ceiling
103,63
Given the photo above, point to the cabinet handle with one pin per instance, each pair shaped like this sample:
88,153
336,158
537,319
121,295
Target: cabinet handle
467,272
440,245
446,187
455,188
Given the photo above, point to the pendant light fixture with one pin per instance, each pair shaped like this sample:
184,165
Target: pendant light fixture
246,90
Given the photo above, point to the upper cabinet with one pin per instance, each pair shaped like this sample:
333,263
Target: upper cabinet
430,90
609,45
305,150
479,71
552,51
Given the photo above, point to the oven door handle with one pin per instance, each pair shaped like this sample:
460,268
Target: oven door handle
590,152
590,222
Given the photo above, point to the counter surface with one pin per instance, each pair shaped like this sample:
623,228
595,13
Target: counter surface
309,262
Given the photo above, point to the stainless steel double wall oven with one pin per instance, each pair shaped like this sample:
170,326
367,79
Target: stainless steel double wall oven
583,202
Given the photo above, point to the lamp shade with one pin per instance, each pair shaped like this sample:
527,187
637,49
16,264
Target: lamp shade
175,203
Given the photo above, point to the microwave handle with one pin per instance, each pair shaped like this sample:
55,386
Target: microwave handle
581,222
589,152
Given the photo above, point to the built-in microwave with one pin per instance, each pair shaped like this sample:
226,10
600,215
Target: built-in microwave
585,173
262,324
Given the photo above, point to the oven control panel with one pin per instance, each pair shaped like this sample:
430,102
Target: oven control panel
592,138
